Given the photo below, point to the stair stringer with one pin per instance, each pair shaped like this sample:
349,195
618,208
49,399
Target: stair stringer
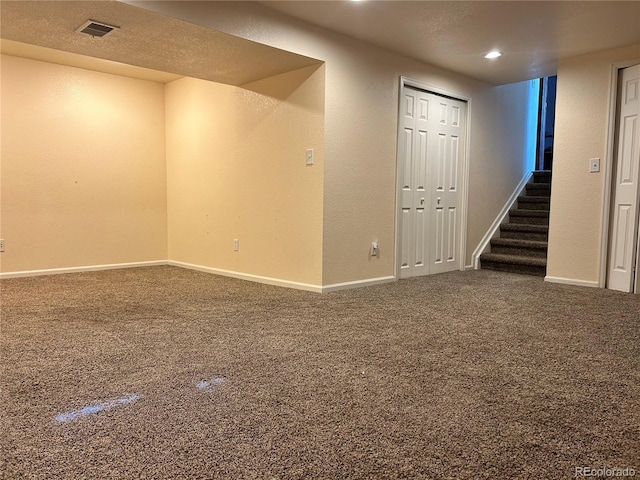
494,229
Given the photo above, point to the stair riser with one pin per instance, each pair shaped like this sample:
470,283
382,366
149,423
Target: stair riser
528,220
525,252
541,178
541,237
537,190
506,267
542,206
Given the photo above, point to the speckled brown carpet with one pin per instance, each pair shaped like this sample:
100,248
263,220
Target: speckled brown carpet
168,373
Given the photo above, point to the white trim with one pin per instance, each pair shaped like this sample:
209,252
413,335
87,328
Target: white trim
408,82
571,281
358,283
88,268
636,286
278,282
216,271
397,206
465,189
499,220
608,172
285,283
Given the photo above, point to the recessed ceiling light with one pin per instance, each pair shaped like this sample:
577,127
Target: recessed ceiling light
492,54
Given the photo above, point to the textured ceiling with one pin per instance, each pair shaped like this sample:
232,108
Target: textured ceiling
453,35
44,54
144,39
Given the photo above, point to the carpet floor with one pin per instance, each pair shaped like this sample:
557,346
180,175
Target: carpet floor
168,373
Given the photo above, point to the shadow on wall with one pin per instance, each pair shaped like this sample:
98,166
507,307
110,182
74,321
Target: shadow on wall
282,86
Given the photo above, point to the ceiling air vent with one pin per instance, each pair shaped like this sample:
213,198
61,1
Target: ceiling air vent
96,29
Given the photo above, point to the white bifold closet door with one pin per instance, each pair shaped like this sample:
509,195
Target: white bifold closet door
431,152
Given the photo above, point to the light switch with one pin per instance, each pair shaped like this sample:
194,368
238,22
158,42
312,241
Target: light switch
594,165
310,156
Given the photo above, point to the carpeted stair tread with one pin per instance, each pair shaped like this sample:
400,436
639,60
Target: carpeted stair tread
513,259
542,176
525,231
523,227
521,264
516,242
519,246
528,216
538,189
519,212
537,203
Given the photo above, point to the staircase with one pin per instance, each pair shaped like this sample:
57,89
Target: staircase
522,244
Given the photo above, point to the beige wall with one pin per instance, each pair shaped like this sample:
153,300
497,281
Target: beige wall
82,168
237,170
499,159
581,129
235,160
361,108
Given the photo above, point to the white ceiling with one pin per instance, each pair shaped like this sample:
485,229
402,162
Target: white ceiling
450,34
453,35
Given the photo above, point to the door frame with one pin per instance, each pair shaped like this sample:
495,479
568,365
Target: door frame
464,187
607,218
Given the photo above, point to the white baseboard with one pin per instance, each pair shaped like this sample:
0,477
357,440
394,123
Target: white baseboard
278,282
358,283
88,268
572,281
252,278
217,271
499,220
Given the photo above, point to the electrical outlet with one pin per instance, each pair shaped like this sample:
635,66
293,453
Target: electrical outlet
236,244
1,245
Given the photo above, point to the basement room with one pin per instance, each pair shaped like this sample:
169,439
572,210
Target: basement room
319,239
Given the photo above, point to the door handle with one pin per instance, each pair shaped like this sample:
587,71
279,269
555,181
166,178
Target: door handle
439,200
422,201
